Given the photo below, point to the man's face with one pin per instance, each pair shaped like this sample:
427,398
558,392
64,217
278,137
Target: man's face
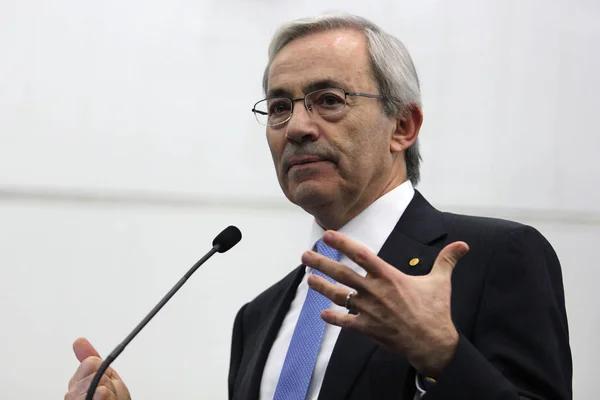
342,160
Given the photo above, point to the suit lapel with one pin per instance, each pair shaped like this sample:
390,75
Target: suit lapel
351,352
419,227
249,387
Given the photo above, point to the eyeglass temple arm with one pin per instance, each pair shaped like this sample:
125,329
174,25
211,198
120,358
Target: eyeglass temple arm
373,96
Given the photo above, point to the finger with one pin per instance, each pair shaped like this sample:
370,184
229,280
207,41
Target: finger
81,387
84,349
121,388
450,255
333,292
88,367
80,390
102,393
335,270
347,321
357,252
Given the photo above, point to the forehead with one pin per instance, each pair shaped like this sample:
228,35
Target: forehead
338,56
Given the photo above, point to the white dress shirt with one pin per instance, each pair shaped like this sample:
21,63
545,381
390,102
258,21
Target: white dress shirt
371,228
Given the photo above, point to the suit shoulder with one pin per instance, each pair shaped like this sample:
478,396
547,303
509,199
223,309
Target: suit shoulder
487,226
495,236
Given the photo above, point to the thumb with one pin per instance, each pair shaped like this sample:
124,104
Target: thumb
448,257
84,349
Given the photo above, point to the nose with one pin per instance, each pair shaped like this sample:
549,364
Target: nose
301,126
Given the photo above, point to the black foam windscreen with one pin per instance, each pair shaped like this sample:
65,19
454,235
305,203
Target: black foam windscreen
228,238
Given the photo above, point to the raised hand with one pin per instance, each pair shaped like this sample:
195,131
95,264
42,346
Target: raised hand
408,315
111,386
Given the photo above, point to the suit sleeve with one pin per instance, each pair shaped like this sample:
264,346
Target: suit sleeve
520,345
237,347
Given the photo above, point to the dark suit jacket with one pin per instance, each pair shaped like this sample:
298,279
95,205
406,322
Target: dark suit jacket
507,304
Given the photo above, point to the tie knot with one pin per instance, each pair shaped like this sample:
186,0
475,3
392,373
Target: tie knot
327,251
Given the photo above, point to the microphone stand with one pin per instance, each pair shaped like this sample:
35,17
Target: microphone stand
115,353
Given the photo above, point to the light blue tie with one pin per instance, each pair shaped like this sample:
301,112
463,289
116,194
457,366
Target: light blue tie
306,340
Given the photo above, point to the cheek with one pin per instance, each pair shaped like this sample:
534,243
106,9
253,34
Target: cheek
357,141
275,146
364,148
353,157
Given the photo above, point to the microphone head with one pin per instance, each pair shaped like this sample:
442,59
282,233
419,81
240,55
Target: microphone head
228,238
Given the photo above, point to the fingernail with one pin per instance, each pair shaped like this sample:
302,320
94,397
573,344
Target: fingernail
306,257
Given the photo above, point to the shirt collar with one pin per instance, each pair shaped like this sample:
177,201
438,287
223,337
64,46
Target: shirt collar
375,223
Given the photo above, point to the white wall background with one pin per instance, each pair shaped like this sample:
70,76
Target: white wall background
126,144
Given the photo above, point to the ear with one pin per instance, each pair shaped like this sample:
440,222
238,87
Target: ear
408,124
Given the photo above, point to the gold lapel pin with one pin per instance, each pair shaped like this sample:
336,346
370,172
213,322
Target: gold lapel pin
413,262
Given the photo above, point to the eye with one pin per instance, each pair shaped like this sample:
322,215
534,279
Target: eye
278,107
329,100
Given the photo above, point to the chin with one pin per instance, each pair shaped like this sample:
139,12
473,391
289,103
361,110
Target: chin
309,195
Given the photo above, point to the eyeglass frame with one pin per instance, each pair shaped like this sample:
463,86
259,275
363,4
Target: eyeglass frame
293,101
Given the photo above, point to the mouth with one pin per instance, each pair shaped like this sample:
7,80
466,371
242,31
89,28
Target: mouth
304,160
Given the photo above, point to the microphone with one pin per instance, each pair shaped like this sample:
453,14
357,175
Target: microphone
224,241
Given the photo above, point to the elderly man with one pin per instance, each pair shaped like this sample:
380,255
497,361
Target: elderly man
396,300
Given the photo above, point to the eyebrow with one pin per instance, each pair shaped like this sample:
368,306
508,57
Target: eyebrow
311,87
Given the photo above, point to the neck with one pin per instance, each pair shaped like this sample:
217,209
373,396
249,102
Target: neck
334,215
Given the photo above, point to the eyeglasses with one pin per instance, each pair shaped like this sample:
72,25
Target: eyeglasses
276,111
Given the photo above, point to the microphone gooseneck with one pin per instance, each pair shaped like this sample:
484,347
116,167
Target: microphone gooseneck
224,241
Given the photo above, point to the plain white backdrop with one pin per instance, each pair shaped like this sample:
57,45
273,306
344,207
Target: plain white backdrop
127,143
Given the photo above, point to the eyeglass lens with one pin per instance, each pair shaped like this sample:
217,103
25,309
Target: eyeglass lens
278,110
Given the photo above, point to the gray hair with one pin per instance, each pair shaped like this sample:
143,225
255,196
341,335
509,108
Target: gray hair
393,68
